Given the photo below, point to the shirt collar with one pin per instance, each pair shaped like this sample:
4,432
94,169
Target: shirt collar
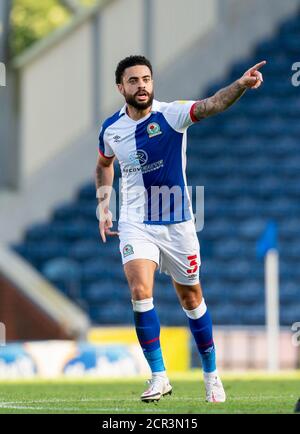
155,107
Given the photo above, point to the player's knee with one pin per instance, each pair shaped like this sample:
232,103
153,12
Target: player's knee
140,292
191,299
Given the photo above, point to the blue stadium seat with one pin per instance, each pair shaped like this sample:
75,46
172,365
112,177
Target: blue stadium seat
290,45
290,109
214,207
100,269
171,315
248,293
246,147
112,313
290,314
65,212
241,269
66,274
289,293
38,253
214,292
290,227
267,48
225,314
208,149
87,191
254,315
290,27
86,249
84,209
265,107
239,128
165,293
39,232
276,66
216,229
107,290
290,250
232,248
251,228
283,207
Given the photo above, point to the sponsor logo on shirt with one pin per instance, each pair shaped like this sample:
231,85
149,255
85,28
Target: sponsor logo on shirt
128,250
138,158
153,129
145,169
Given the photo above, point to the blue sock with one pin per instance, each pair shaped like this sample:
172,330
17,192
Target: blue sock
201,329
148,331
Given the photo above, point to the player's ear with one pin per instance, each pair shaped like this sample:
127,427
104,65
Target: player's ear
121,88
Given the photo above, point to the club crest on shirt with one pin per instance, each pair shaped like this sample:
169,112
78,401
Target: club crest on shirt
153,129
127,250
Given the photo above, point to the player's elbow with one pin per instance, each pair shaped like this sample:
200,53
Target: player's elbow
105,162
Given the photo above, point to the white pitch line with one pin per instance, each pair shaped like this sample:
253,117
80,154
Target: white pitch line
29,405
173,398
68,409
20,407
57,400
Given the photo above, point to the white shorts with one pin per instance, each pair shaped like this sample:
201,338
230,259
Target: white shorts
174,247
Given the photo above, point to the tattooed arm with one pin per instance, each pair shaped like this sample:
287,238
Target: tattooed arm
224,98
104,180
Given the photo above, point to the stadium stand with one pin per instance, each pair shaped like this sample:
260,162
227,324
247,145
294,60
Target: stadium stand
248,160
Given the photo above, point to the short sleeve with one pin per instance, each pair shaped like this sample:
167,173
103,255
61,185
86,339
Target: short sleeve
104,148
180,114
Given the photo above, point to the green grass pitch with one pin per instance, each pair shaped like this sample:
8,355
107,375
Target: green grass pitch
247,393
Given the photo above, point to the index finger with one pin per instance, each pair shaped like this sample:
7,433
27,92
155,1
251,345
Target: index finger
102,232
258,65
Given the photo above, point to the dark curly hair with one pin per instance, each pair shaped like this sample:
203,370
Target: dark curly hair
127,63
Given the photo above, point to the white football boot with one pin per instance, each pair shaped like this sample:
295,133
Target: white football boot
158,387
214,388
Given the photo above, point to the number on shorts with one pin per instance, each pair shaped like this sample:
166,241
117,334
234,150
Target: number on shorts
193,263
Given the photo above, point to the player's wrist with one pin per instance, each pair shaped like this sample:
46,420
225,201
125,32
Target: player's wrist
242,83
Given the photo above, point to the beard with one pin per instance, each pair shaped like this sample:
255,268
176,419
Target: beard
131,100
